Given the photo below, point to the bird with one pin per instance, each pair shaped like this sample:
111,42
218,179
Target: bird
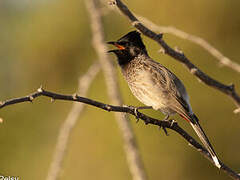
156,86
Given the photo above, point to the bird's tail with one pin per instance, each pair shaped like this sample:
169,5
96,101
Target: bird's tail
198,129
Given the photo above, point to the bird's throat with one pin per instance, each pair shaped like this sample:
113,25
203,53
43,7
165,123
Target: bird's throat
124,61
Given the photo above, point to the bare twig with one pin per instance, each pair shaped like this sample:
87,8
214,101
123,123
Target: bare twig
131,149
130,110
223,60
71,120
179,56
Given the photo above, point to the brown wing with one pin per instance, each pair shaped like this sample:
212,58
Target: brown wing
174,87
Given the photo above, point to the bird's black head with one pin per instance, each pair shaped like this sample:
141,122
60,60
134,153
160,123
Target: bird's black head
129,46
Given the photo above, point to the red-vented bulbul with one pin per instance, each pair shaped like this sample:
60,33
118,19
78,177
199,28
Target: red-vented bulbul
154,85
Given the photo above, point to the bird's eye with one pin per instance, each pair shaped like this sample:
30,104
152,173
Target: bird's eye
127,43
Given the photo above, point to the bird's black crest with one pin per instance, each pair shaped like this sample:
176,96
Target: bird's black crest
129,46
133,37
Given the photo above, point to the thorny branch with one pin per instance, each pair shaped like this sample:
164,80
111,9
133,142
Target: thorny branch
179,56
229,90
223,60
130,110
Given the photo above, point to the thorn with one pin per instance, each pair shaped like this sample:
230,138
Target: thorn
232,87
193,70
138,31
236,111
161,50
177,49
31,98
199,80
134,23
1,120
108,108
191,145
40,90
75,96
1,103
52,100
160,35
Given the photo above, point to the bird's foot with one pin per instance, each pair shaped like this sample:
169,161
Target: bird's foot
171,121
164,129
136,112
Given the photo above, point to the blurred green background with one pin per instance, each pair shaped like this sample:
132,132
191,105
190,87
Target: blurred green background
49,43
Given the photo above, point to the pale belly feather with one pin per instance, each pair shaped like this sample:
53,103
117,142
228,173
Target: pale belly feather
149,93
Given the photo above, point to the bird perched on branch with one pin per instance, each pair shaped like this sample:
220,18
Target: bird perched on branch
154,85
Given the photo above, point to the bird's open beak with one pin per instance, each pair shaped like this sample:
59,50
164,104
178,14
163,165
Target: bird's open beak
110,51
120,47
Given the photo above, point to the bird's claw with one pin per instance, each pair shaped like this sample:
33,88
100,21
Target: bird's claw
172,121
135,110
136,114
164,129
